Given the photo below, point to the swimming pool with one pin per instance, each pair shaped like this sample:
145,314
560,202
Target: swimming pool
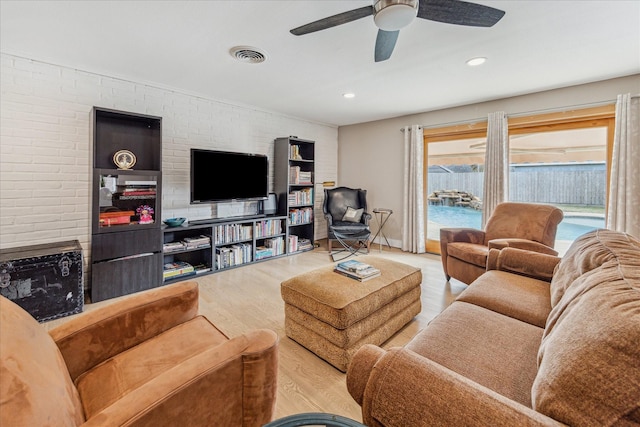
571,227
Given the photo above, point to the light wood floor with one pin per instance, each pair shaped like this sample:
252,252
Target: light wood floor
246,298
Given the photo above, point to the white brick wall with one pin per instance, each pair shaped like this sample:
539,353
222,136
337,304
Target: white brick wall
45,146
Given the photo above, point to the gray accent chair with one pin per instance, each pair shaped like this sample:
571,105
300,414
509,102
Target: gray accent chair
345,210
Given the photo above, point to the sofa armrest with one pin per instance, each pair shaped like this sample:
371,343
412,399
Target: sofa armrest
469,235
526,263
234,383
449,235
406,389
94,336
525,244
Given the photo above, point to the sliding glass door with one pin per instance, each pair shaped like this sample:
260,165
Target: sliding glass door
564,168
557,158
454,185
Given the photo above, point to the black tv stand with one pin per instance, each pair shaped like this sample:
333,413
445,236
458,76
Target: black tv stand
217,244
226,219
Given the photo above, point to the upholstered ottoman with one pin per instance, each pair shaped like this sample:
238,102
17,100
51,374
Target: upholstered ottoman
333,316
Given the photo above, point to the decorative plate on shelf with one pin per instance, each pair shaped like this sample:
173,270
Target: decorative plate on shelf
124,159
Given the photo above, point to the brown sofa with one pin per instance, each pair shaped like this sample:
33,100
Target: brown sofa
146,360
529,226
534,341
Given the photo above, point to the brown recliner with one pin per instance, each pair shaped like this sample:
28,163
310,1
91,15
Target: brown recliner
527,226
146,360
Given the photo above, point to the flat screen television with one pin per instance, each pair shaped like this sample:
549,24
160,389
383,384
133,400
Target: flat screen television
223,176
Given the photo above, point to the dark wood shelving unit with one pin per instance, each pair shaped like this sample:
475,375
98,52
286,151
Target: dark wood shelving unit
126,244
294,185
224,235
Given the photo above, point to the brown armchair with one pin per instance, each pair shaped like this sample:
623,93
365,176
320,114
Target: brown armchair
147,360
527,226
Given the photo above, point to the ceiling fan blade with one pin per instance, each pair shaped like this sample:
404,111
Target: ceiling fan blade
385,42
459,12
332,21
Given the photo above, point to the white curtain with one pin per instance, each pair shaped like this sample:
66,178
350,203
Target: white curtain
413,221
496,164
623,212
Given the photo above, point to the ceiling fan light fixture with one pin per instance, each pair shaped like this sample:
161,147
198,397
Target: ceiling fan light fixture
393,15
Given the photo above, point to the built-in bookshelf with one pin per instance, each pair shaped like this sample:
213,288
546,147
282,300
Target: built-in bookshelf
191,250
293,184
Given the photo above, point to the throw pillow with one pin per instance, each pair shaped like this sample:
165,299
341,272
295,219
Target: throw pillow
353,215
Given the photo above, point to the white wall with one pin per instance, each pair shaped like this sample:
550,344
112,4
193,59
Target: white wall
371,154
45,146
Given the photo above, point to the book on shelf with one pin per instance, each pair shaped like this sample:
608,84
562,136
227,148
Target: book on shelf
361,276
299,243
201,268
295,152
173,246
298,176
198,239
136,196
353,265
129,190
263,252
177,269
148,183
304,244
201,241
168,276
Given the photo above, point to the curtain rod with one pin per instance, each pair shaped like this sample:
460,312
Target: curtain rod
525,113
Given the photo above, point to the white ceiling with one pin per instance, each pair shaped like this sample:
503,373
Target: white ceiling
184,45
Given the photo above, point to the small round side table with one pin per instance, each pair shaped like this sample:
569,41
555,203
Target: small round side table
382,216
314,419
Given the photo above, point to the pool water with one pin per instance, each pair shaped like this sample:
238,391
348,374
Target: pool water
570,228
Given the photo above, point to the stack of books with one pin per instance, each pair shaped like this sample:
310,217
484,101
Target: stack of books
263,252
297,176
173,270
357,270
133,193
201,241
173,247
304,244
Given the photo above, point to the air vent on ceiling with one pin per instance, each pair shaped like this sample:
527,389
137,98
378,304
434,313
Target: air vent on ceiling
248,54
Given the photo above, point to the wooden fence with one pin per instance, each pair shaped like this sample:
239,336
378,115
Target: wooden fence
557,187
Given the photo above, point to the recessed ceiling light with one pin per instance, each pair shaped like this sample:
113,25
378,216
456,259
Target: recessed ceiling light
476,61
349,95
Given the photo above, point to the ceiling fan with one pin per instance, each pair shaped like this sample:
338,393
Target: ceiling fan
390,16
